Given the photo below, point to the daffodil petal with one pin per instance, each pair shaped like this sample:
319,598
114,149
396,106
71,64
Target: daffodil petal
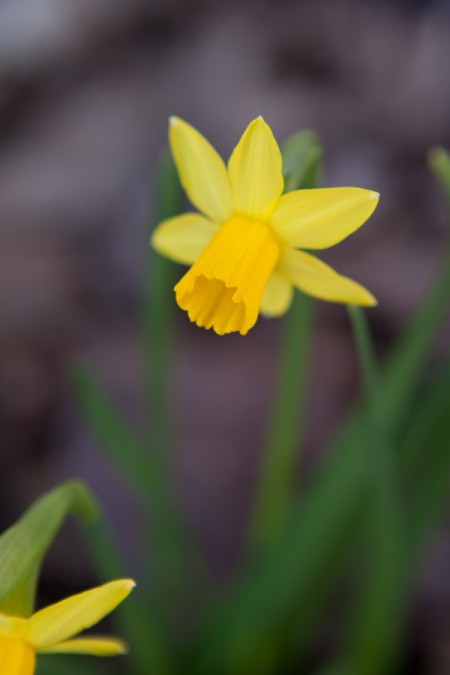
255,170
323,217
202,171
277,296
95,646
60,621
12,626
184,237
16,657
314,277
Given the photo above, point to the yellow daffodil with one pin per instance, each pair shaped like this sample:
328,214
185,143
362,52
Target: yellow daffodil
243,247
50,631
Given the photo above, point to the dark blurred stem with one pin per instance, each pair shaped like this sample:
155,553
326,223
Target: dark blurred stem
157,331
281,452
378,622
157,318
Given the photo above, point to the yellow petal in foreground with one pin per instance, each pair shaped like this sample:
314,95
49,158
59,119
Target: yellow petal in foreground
255,170
202,171
323,217
224,287
184,237
60,621
16,657
277,296
314,277
95,646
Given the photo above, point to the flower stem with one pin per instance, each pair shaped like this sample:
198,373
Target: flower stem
281,452
157,332
157,318
302,168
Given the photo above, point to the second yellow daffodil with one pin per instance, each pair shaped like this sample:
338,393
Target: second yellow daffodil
52,630
243,246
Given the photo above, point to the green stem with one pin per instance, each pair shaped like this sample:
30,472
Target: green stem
158,317
158,310
376,417
281,452
302,167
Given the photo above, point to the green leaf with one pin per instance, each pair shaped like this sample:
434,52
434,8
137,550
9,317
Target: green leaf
142,469
380,613
405,366
426,426
406,363
426,460
114,433
432,495
278,583
135,619
302,161
24,545
425,466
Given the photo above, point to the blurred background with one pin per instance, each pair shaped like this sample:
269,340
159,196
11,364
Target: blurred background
86,87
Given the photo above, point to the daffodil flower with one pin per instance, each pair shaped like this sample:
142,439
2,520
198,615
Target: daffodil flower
243,246
52,630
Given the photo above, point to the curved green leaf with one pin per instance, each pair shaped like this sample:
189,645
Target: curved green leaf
24,545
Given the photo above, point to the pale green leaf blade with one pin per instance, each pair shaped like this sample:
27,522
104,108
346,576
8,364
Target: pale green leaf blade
24,545
302,161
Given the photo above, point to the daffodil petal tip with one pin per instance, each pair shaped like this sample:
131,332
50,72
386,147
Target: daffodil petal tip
367,300
255,172
126,584
91,645
375,195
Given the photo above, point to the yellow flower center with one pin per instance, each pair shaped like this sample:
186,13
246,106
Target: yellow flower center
16,657
223,288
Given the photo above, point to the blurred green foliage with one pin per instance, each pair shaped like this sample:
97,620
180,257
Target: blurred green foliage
370,506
